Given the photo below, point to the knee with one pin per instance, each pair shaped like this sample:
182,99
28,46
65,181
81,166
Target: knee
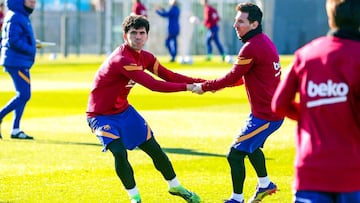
24,96
235,156
118,149
230,156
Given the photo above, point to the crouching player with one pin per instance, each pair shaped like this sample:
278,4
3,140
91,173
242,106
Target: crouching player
116,123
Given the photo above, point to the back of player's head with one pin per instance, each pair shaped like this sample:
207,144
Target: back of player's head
136,22
255,13
343,13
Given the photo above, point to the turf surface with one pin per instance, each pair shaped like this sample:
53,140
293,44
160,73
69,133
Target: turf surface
65,163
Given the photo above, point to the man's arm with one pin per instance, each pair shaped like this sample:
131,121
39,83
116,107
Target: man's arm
146,80
283,102
232,78
171,76
17,40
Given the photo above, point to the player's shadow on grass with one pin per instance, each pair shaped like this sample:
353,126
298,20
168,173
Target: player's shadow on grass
167,150
64,142
190,152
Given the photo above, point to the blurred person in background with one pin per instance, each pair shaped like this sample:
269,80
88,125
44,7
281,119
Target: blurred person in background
321,92
173,15
211,19
138,8
18,50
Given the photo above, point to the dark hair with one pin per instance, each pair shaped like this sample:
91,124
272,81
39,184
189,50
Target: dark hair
255,14
345,13
135,21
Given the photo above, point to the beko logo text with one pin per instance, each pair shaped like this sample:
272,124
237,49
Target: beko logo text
327,89
334,93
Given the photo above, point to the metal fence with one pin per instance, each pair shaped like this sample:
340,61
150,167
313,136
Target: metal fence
97,28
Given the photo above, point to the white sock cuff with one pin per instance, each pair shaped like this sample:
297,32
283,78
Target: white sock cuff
237,197
173,183
132,192
264,181
15,131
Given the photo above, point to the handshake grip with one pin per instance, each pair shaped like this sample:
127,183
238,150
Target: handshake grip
195,88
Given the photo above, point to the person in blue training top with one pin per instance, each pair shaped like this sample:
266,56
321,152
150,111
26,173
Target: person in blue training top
17,57
173,15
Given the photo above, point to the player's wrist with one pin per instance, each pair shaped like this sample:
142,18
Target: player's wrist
190,87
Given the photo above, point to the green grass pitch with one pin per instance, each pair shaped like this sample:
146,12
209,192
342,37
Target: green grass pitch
65,163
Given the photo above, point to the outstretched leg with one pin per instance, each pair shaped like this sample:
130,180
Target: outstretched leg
21,80
160,159
257,160
122,166
162,163
265,186
237,166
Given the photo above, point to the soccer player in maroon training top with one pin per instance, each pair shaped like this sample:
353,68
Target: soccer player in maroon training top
322,93
138,8
258,68
116,123
211,19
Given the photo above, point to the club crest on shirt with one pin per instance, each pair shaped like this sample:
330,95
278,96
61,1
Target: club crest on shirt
130,84
277,68
105,127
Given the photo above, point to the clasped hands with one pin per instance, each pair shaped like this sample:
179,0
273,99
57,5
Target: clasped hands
195,88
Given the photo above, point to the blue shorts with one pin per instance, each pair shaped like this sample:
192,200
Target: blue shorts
326,197
129,126
255,133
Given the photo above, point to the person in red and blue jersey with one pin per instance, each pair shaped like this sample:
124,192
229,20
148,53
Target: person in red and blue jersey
321,92
18,50
138,8
116,123
260,72
211,19
173,15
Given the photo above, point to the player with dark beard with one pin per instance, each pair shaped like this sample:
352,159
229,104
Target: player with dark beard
257,67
